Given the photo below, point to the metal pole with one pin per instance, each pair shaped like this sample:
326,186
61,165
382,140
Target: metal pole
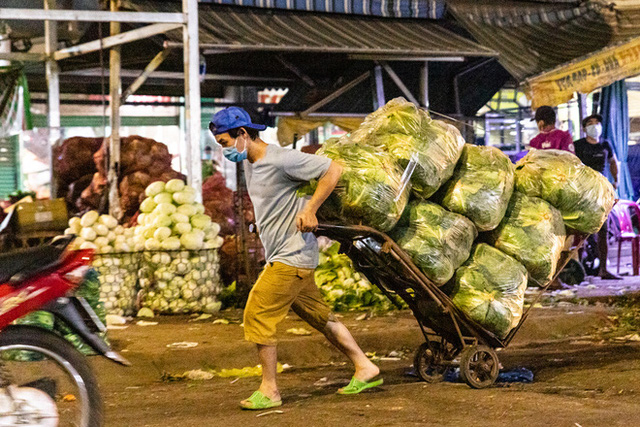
403,88
519,130
114,103
487,130
424,85
53,84
192,95
379,100
582,111
149,69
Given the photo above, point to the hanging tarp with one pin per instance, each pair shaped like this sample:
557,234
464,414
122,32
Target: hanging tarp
614,108
533,37
585,75
291,129
432,9
11,101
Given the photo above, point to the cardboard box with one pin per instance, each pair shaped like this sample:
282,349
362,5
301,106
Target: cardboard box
41,215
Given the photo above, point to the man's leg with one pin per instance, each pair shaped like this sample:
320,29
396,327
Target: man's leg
268,304
310,306
339,335
603,253
268,355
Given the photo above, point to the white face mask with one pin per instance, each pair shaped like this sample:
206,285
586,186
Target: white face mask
594,131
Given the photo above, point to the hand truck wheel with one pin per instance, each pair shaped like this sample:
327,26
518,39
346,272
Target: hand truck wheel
428,362
479,366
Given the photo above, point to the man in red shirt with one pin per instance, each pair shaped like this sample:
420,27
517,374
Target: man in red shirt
549,137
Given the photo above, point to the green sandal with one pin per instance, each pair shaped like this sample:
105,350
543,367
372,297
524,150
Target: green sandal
356,386
259,401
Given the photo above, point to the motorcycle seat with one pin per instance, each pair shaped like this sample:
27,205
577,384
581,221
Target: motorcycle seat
18,266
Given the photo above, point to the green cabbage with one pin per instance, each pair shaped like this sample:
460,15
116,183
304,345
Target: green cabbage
481,186
438,241
490,288
409,134
89,219
370,191
343,288
174,185
583,196
533,233
154,189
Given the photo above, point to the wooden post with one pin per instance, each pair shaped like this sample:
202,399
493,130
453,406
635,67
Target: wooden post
192,96
114,103
53,86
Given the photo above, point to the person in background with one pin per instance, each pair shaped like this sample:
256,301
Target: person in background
209,166
549,137
286,224
596,153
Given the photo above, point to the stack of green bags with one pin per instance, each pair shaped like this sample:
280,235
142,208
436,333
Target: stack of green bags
464,213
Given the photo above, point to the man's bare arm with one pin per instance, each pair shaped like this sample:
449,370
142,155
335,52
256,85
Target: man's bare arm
306,220
613,168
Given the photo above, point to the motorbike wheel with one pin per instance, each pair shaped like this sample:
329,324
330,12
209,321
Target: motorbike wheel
47,380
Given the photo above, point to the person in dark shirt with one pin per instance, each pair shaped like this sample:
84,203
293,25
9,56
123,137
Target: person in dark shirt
596,153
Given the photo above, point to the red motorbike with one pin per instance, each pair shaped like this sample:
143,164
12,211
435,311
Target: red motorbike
44,380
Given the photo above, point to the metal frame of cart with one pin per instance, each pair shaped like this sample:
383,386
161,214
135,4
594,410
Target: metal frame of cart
452,339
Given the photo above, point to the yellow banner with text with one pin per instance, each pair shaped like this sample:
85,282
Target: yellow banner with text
600,69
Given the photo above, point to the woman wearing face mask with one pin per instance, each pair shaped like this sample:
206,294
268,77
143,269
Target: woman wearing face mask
286,223
596,153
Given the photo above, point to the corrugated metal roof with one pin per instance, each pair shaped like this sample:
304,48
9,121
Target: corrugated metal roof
433,9
533,37
242,29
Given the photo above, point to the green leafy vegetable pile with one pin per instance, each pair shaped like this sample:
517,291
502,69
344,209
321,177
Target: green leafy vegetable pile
90,291
489,288
342,287
481,186
408,133
583,196
533,233
438,241
370,191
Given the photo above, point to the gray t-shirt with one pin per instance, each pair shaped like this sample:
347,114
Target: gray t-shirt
272,182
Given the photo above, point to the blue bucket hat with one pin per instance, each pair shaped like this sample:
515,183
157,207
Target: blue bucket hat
232,118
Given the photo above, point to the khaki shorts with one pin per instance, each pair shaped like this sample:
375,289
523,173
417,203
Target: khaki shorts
279,288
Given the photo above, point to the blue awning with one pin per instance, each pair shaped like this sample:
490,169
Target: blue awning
431,9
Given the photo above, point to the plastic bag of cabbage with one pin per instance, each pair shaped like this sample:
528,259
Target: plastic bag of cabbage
371,190
438,241
481,186
533,233
180,282
343,288
583,196
171,219
412,137
490,288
